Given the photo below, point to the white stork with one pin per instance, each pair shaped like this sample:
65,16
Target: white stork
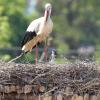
38,31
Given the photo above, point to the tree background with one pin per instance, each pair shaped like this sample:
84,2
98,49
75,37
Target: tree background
76,24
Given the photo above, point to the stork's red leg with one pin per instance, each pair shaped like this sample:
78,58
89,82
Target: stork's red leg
45,53
45,50
36,55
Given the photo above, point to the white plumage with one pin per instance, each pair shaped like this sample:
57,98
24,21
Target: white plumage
35,24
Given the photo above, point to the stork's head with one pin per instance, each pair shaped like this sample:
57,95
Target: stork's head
48,6
48,9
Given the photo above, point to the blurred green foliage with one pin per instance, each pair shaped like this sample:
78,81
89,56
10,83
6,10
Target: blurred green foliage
76,23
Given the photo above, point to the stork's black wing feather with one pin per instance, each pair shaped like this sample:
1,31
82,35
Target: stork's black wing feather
28,36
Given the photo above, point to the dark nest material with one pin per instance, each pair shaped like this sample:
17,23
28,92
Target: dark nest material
79,77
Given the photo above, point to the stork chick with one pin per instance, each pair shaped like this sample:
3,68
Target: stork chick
38,31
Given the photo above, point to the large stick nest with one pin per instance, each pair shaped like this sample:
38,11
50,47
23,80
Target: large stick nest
78,77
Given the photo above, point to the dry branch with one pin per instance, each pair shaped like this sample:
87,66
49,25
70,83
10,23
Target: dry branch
80,77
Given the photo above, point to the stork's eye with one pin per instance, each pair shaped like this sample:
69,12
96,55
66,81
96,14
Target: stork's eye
49,8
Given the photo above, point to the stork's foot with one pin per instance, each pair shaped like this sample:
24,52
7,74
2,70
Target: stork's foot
36,61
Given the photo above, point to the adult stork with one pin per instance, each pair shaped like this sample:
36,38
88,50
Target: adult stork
38,31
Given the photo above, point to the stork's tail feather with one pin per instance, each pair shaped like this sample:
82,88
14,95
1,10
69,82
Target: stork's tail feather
17,57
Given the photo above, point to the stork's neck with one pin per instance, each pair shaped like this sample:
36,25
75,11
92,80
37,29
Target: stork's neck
47,15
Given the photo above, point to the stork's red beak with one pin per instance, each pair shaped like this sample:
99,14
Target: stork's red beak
47,14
